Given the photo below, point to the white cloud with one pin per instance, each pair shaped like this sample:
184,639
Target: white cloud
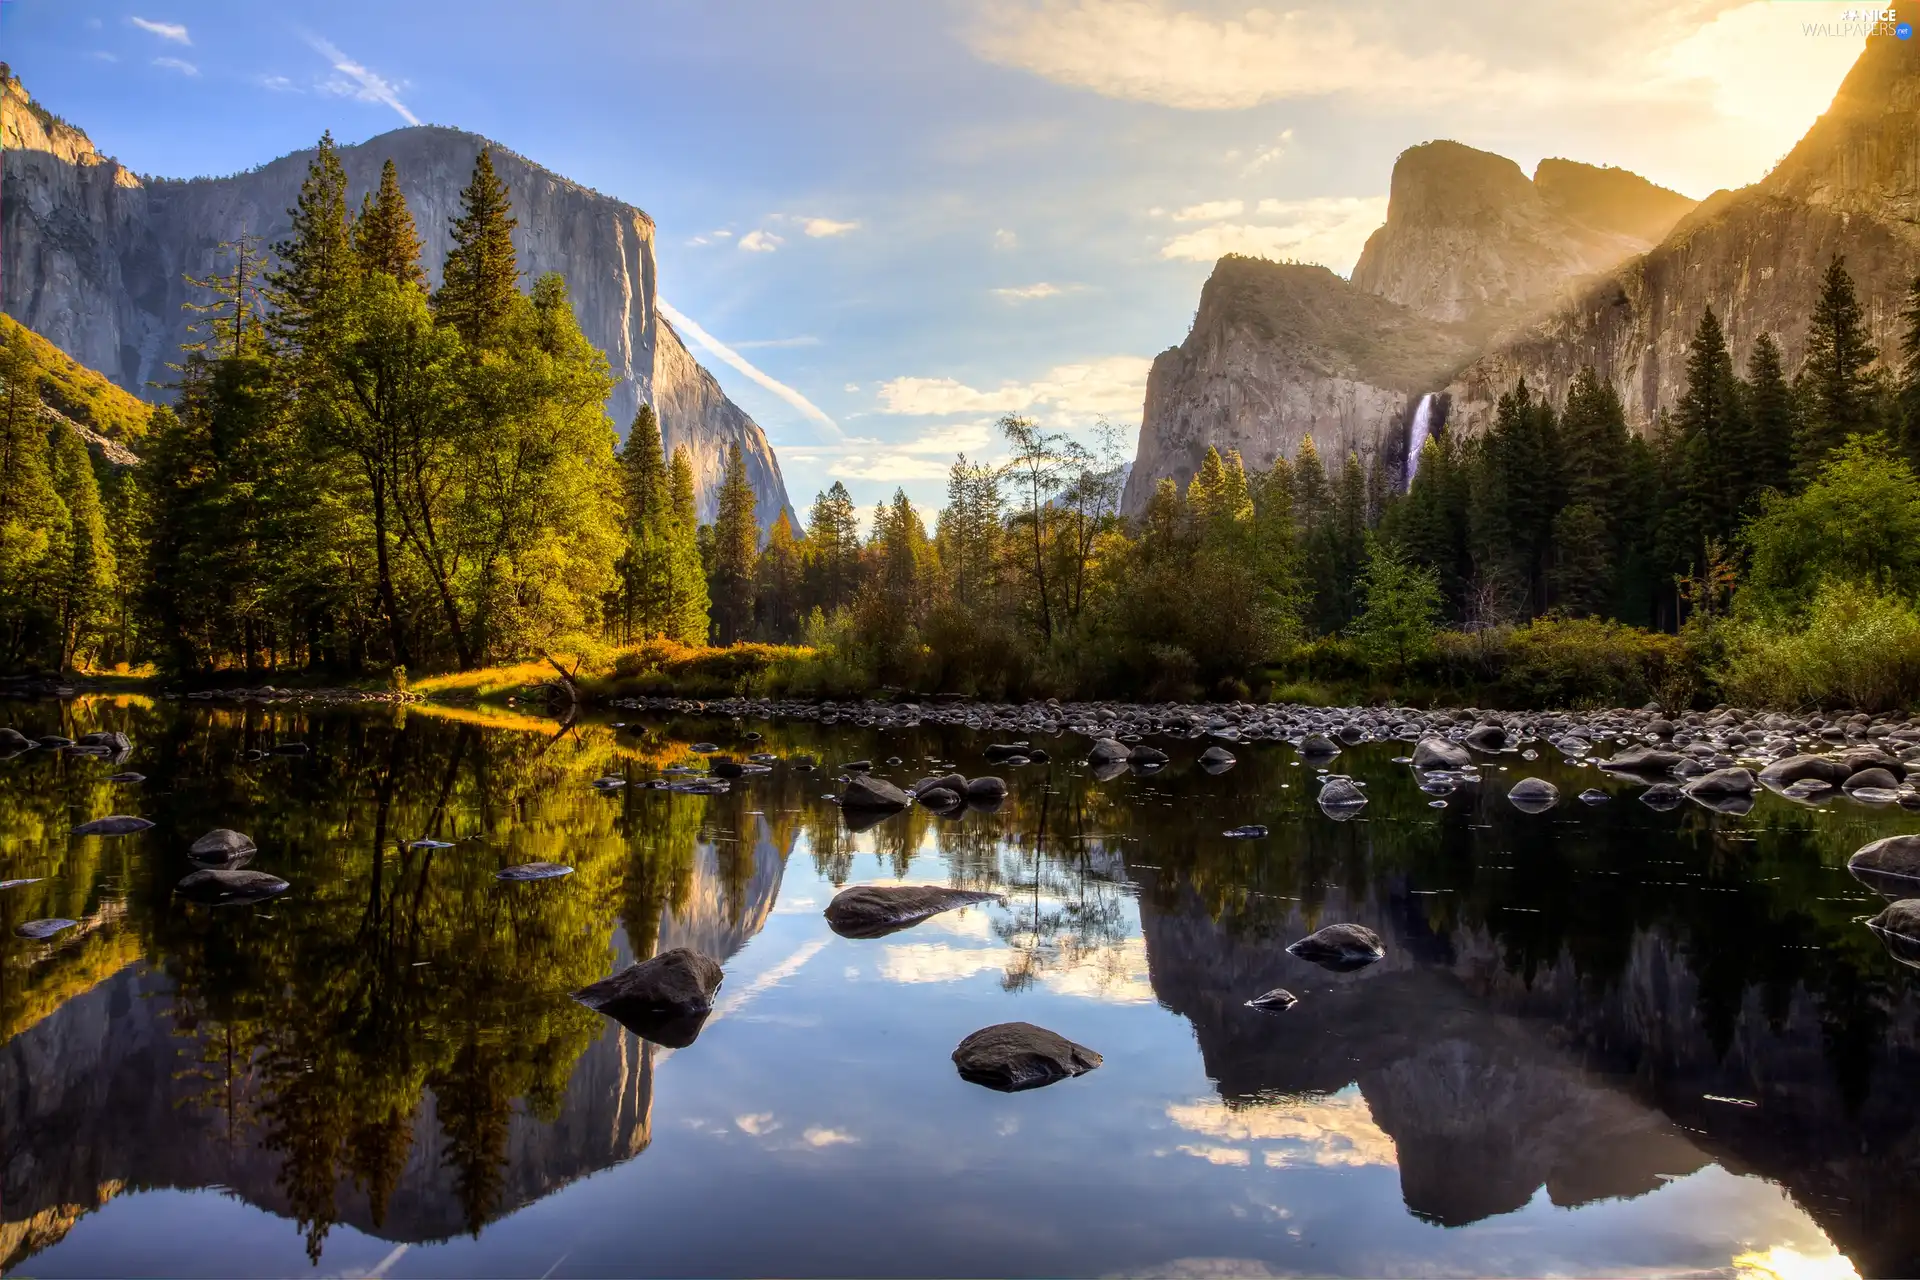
760,242
741,363
852,386
757,1124
1005,239
174,31
181,65
1219,1155
1268,155
822,227
803,340
1332,1131
1148,51
354,80
1329,230
1210,211
1115,386
1027,292
819,1137
278,84
104,56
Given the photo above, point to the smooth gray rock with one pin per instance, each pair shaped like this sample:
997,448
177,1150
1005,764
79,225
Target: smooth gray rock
1487,737
1217,759
522,871
1533,795
1723,782
228,887
1898,927
1891,863
1642,760
39,930
665,999
875,910
865,792
986,790
1278,1000
1341,793
222,845
1340,947
1011,1056
114,825
1107,751
1803,768
1438,753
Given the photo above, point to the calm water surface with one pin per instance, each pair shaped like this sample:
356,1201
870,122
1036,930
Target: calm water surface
1605,1039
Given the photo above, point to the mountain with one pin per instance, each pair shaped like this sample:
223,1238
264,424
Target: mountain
1468,238
1850,188
1536,278
1279,351
95,257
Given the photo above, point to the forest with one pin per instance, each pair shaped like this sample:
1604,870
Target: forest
363,476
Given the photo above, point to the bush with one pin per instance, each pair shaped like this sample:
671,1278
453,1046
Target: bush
1858,646
1570,662
667,667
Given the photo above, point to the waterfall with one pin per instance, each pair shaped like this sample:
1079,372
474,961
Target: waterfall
1417,434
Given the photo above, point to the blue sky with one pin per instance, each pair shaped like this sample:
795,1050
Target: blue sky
918,214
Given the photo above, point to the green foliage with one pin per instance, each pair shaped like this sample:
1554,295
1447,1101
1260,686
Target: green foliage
480,279
1399,607
1839,392
1857,646
69,387
736,546
1859,521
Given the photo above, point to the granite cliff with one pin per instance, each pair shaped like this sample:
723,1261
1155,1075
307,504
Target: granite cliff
1481,276
95,257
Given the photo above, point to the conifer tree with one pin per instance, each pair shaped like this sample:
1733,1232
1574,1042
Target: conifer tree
481,275
384,237
648,521
311,287
1770,420
779,580
1910,375
1713,439
684,584
736,541
833,550
970,533
1517,494
84,575
1839,390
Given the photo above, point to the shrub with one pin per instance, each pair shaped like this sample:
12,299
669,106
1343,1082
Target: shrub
1858,646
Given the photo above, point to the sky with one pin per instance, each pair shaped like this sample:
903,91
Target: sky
885,223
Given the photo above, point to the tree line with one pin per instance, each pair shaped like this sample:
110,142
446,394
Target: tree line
360,473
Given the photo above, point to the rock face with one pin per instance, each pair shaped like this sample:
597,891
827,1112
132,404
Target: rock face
1279,352
1851,187
1469,239
95,257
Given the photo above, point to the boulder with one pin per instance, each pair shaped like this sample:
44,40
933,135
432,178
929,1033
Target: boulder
1593,795
1011,1056
1438,753
1252,831
1487,737
12,739
1317,746
1662,796
665,999
1340,947
42,929
940,799
875,910
521,871
222,846
1856,760
1145,755
986,790
1533,795
1216,759
1723,782
228,887
1898,928
1871,779
1891,865
1005,751
1643,760
864,792
1107,751
1278,1000
115,825
1784,773
1341,793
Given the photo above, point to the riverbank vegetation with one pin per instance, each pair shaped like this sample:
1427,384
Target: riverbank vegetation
364,476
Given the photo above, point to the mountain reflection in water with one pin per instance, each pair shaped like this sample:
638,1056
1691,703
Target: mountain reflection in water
1671,1023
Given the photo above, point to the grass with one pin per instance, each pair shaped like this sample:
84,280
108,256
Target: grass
487,683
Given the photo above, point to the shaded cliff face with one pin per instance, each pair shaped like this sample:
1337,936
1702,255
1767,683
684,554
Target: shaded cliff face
1469,239
95,258
1279,352
1850,188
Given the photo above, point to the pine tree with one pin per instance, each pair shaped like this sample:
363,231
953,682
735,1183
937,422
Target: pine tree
736,542
648,520
481,276
971,533
777,591
1910,375
1590,529
84,584
311,287
1840,393
1516,496
685,581
1712,440
230,323
833,550
1770,419
384,237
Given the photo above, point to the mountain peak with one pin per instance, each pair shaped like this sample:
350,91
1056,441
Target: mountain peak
1863,154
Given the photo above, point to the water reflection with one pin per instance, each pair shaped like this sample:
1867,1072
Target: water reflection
1575,1004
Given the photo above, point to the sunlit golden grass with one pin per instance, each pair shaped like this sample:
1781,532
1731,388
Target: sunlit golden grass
489,682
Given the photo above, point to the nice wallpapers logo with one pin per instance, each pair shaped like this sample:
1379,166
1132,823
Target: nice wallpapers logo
1856,23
